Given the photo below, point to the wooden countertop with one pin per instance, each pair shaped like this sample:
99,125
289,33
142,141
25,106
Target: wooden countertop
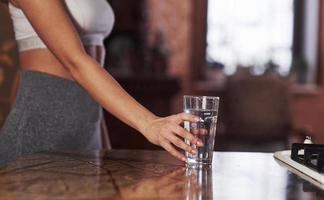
129,174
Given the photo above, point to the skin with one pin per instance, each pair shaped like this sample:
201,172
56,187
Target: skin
98,53
66,57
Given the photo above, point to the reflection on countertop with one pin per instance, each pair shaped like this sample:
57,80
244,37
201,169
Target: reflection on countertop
138,174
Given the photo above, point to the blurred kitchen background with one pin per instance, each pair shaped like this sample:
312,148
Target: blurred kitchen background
263,58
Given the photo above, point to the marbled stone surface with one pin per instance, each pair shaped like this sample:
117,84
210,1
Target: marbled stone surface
130,174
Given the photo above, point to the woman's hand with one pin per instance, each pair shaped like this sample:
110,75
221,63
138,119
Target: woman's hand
166,132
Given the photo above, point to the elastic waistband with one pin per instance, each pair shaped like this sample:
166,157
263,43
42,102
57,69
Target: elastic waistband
37,77
39,88
30,43
35,42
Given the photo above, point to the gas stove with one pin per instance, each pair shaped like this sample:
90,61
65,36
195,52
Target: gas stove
305,160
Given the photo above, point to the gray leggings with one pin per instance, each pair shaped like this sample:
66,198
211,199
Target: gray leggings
50,114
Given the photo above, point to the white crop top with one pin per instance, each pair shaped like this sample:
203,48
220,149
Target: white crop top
94,20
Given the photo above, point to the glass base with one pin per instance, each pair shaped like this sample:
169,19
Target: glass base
201,164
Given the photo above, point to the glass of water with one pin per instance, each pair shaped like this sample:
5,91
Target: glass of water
206,108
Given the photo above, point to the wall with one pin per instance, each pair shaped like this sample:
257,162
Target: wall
308,106
8,63
174,19
308,112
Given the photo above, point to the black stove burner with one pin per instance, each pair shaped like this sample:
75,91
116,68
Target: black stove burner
310,155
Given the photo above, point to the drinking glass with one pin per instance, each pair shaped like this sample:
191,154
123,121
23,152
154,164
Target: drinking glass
206,108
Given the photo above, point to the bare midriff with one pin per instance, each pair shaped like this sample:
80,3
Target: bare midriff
43,60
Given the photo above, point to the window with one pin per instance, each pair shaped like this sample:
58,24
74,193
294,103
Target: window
250,33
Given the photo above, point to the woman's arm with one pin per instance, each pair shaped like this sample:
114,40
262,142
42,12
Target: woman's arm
52,23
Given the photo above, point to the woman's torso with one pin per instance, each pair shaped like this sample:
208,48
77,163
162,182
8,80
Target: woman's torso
92,19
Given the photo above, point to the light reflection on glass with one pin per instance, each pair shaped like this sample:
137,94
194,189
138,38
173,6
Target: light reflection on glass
199,184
